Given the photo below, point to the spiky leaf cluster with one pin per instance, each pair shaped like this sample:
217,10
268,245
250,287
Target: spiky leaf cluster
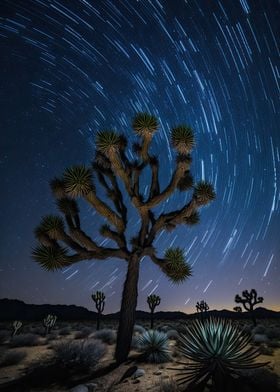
68,206
50,258
185,183
108,142
204,193
153,301
182,139
154,346
175,266
77,181
216,347
52,225
145,124
58,188
193,219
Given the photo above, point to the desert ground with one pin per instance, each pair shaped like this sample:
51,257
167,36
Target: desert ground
32,356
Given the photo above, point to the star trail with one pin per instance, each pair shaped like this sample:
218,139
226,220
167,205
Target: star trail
71,68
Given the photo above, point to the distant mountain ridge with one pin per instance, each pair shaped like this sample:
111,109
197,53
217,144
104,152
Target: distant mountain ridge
13,309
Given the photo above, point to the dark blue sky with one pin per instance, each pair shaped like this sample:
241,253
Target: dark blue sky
69,69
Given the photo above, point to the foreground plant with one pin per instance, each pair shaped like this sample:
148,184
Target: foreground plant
218,350
63,242
154,346
99,299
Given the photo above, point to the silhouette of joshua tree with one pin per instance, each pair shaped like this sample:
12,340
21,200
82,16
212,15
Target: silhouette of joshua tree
99,299
202,307
153,301
249,301
111,167
237,309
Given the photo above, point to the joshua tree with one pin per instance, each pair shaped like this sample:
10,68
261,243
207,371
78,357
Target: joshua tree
202,307
99,299
153,301
119,177
49,322
248,301
237,309
16,326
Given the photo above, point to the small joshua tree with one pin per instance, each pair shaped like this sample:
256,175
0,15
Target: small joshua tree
202,307
99,299
16,327
249,301
63,242
237,309
49,322
153,301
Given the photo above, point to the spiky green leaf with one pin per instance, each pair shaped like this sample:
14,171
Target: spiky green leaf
175,266
58,188
68,206
50,258
107,142
52,225
145,124
182,139
204,192
77,181
154,346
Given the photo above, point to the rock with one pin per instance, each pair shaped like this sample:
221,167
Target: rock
260,338
92,387
80,388
158,372
138,373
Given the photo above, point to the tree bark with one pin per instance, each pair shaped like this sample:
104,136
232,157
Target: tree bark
128,309
98,322
152,320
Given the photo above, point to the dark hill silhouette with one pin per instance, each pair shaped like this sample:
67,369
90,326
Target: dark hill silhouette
13,309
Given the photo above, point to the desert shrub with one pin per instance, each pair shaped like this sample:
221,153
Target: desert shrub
106,335
4,335
273,333
258,339
80,355
263,380
168,385
83,333
134,343
12,358
39,330
259,329
24,340
154,346
164,328
139,329
64,331
172,334
273,344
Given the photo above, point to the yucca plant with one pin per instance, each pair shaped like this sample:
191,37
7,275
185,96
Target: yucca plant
153,345
182,138
217,350
51,258
77,180
107,142
204,193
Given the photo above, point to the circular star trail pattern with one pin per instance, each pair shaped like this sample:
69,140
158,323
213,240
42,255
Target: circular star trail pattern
69,69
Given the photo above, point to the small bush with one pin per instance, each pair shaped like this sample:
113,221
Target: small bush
106,335
4,335
139,329
273,344
39,331
24,340
64,331
164,328
273,333
172,334
84,333
80,355
12,358
154,346
259,329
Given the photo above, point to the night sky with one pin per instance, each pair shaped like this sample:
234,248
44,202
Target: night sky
72,68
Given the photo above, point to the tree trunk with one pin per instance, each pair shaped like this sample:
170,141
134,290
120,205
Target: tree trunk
128,309
152,320
98,322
